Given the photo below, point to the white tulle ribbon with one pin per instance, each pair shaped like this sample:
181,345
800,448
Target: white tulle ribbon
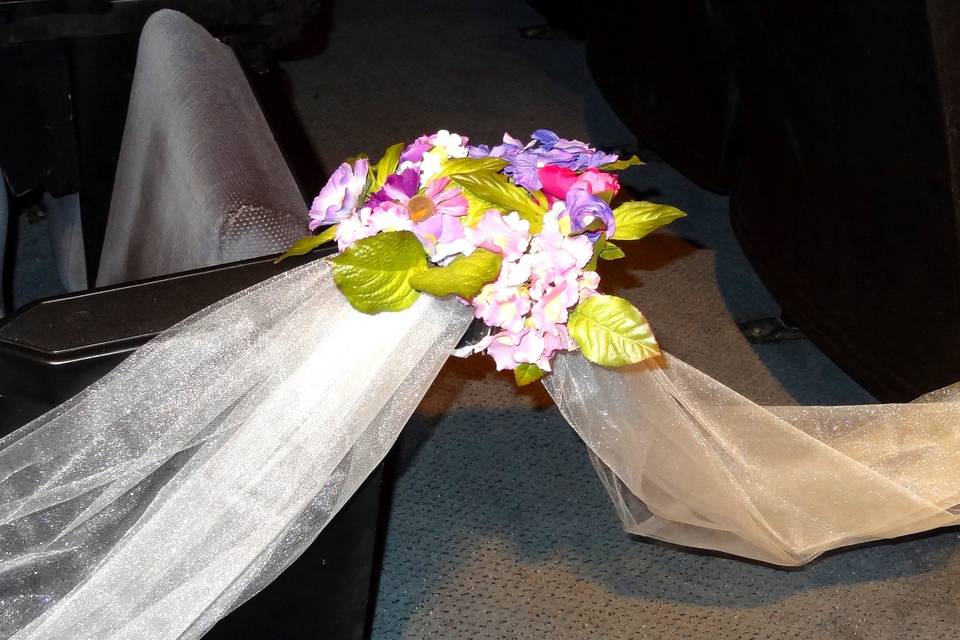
175,488
688,460
187,479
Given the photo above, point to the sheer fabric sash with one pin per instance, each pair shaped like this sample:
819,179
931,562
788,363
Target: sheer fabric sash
165,495
688,460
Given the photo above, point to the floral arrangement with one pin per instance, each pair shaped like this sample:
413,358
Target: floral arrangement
515,230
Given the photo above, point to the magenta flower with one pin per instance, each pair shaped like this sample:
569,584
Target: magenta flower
403,184
338,198
558,181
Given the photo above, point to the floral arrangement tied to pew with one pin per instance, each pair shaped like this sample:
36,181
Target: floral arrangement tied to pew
515,231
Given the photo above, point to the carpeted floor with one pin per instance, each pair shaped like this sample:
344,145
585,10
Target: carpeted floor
499,527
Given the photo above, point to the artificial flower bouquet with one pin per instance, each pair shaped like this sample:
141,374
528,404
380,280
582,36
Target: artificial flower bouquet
515,231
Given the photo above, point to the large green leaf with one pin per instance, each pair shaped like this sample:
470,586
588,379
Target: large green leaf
500,192
612,332
374,273
618,165
464,276
386,166
307,244
638,218
461,166
527,372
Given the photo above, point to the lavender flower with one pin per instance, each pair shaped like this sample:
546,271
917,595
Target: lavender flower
338,198
584,209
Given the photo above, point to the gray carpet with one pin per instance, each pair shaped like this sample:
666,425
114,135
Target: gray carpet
499,527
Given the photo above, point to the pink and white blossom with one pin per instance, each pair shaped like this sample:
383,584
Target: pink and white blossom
507,235
501,306
552,308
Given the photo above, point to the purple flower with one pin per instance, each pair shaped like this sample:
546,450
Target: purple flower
478,151
523,170
338,198
584,209
508,150
398,187
592,159
546,138
581,155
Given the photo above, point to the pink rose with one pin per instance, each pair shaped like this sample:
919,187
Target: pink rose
596,181
557,181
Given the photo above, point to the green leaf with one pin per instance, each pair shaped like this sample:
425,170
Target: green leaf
367,186
501,193
461,166
476,208
611,332
527,372
387,165
637,219
542,201
374,273
327,234
598,245
611,251
307,244
618,165
464,276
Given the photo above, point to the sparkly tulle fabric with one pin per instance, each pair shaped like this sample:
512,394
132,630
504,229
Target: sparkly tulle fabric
182,483
688,460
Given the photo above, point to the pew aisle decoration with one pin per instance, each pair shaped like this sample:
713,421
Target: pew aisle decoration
515,231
